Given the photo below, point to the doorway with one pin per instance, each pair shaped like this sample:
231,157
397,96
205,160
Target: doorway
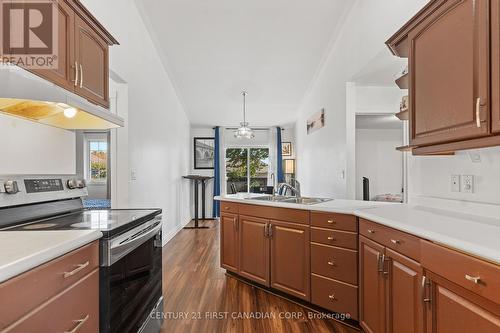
97,169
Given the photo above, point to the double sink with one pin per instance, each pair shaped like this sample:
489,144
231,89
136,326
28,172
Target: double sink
291,200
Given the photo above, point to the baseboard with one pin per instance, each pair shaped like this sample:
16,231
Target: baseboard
168,237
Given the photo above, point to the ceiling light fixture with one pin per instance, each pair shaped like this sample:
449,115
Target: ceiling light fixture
244,132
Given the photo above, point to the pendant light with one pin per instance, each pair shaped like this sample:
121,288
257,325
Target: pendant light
244,132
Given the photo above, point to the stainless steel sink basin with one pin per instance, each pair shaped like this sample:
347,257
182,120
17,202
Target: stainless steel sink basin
294,200
273,198
306,201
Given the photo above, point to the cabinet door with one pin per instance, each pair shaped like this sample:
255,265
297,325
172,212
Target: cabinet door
372,287
450,310
290,258
495,66
449,73
64,74
254,249
404,284
91,53
229,247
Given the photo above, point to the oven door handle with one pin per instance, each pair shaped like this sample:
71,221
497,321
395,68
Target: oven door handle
117,249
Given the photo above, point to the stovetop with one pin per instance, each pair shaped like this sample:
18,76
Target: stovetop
110,222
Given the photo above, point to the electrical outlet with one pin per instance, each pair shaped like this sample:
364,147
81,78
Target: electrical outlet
468,183
133,175
455,183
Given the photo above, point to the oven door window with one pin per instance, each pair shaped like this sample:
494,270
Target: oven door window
135,285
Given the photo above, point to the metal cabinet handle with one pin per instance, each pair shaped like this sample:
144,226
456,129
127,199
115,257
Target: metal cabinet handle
76,270
379,263
331,263
395,241
270,228
383,261
478,112
370,231
330,221
81,76
76,73
79,323
475,279
235,224
332,297
426,283
227,208
330,238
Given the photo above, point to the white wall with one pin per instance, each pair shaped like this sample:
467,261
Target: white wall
322,155
376,99
159,129
32,148
377,160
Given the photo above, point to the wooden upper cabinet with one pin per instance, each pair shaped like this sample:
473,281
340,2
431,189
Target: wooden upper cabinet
229,242
290,258
64,74
91,56
449,74
372,306
405,305
254,249
452,309
495,66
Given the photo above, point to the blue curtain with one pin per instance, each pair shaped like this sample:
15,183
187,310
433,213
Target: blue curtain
216,204
279,164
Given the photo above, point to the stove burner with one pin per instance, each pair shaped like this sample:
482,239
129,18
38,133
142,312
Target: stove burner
39,226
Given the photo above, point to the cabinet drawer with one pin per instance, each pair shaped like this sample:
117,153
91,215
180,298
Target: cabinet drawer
335,296
25,292
333,237
334,221
228,207
336,263
461,269
76,306
396,240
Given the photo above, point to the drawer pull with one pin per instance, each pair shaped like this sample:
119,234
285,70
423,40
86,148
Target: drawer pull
331,263
370,231
79,323
330,221
475,279
227,208
332,297
395,241
330,238
76,270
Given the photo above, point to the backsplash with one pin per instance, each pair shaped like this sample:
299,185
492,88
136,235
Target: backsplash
431,176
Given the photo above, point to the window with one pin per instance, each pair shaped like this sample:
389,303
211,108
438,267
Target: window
247,169
98,160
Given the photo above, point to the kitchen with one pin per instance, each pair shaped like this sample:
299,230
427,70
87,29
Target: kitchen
280,123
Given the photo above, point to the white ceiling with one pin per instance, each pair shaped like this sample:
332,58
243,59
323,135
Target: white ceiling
382,70
214,49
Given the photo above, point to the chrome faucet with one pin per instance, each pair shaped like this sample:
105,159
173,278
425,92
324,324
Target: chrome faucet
283,188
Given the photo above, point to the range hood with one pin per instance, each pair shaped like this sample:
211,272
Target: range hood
25,95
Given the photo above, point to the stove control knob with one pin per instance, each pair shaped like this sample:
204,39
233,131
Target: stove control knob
11,187
72,184
80,183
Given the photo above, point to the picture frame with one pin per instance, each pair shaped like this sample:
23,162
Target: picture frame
286,149
203,153
316,121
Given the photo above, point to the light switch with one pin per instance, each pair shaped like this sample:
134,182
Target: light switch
455,183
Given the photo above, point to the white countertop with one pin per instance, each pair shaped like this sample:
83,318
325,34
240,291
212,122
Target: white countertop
334,206
21,251
470,233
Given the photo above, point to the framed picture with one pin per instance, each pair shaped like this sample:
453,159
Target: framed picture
286,149
316,121
204,149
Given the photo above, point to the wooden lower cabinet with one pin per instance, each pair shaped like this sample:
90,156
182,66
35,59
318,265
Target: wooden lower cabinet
453,309
290,258
405,307
372,287
254,249
229,243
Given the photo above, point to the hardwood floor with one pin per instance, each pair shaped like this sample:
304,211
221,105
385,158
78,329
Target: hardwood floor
200,297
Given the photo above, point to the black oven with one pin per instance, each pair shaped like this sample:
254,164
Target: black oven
131,280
